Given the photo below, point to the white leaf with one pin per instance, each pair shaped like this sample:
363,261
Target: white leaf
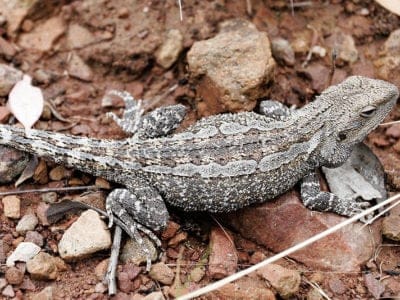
26,102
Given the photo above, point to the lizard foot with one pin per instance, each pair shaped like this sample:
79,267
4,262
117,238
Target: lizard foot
132,115
140,211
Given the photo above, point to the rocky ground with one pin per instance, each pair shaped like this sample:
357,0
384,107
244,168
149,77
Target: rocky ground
223,56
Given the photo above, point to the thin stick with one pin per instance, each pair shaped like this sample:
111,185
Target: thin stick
46,190
180,10
113,263
286,252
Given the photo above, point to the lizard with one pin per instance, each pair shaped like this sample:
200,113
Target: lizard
223,162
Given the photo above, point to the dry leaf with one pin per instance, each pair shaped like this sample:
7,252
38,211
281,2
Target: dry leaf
26,102
391,5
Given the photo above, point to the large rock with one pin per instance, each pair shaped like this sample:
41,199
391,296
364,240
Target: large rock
87,235
232,69
285,222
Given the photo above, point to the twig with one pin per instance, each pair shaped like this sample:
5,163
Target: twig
113,264
46,190
180,10
318,288
286,252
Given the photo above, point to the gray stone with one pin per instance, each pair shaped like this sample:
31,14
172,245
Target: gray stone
27,223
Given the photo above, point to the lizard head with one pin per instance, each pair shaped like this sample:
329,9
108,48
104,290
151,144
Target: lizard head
355,107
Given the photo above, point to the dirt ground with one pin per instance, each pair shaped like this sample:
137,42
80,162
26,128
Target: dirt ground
118,49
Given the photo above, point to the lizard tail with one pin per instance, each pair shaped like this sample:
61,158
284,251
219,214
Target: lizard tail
87,155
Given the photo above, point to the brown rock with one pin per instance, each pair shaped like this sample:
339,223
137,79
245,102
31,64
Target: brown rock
45,294
232,69
9,76
337,286
124,283
285,222
393,131
170,231
170,49
162,273
44,35
4,114
41,213
42,267
40,175
246,288
79,37
345,46
374,286
101,269
12,207
319,76
59,173
391,227
286,282
13,162
14,275
223,257
7,49
180,237
79,69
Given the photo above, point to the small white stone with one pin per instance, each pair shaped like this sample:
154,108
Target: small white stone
27,223
23,252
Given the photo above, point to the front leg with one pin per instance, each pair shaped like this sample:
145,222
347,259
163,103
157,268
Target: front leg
314,198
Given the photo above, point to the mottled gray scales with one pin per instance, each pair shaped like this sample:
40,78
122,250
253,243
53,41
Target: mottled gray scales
223,162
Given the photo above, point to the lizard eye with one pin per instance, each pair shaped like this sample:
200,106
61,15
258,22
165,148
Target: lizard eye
342,136
368,111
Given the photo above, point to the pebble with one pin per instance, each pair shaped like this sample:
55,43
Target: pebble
197,273
132,253
170,231
79,69
162,273
154,296
41,212
45,294
12,207
79,37
87,235
8,291
283,51
14,275
12,163
286,282
101,269
23,252
27,223
374,286
223,257
344,45
50,197
59,173
3,283
44,35
9,76
42,267
4,114
27,284
391,227
337,286
170,49
180,237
